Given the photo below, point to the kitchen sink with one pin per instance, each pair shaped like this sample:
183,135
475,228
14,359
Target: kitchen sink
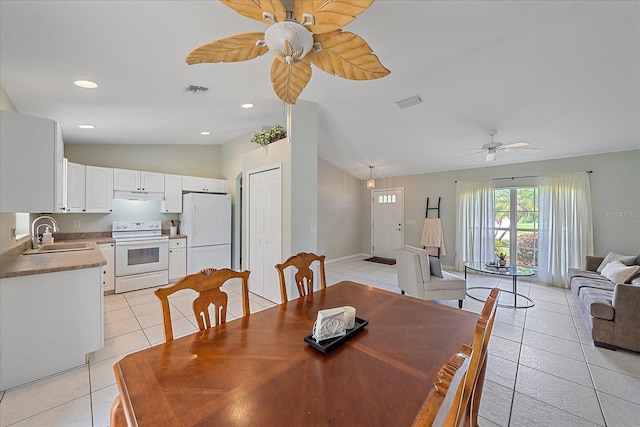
61,247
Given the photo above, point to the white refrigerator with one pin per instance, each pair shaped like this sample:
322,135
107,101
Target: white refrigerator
206,221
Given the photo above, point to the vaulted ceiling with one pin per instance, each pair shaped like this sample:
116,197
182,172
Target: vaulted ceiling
562,76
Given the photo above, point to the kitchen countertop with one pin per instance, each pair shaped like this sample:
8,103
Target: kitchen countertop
26,265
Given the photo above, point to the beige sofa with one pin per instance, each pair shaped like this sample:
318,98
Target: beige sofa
415,277
611,311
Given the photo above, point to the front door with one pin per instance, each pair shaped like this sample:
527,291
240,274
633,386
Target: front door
388,215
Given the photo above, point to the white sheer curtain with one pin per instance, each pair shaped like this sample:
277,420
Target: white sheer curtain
474,222
566,226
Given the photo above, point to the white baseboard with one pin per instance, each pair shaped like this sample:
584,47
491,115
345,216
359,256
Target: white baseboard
329,261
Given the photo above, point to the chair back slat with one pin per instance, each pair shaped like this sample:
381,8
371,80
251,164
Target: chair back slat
444,402
475,378
207,284
304,274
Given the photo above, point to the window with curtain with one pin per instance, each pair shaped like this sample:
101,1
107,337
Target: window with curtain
566,226
516,224
549,226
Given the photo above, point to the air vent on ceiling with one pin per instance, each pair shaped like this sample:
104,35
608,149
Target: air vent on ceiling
196,90
410,102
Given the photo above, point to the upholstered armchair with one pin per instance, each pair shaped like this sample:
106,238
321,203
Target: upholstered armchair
416,278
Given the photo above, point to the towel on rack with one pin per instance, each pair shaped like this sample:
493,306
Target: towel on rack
433,236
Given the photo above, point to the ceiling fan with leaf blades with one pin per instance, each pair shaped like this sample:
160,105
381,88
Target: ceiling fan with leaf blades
300,33
491,148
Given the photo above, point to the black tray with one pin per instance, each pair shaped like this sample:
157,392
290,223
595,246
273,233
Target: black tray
326,346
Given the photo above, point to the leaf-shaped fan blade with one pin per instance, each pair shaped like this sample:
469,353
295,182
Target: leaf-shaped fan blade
236,48
348,56
329,15
289,80
253,8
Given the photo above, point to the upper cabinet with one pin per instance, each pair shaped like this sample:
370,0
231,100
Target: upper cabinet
99,189
31,164
89,188
130,180
204,185
75,187
172,202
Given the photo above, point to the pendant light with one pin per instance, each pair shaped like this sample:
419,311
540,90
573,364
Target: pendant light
371,183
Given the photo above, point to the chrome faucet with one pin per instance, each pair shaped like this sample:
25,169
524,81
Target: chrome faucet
34,231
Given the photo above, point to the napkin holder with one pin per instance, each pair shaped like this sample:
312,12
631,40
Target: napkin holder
330,323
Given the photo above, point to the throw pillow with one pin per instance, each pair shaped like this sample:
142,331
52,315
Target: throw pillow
436,267
617,272
612,256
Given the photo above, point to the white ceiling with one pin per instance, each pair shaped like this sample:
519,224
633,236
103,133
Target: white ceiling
563,76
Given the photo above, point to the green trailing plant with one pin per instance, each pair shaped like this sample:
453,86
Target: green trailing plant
267,136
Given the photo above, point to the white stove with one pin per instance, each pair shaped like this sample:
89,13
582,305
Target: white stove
142,255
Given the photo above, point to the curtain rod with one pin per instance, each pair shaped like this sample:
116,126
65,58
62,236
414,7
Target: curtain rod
517,177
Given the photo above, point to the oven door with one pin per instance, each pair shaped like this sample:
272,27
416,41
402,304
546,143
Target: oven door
141,256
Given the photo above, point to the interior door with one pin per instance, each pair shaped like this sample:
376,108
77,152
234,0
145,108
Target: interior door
265,232
388,217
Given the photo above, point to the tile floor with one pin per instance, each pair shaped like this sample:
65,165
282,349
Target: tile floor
543,368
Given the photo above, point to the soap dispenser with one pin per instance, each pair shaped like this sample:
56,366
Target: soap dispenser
47,237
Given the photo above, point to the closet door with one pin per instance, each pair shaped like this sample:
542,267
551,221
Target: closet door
265,232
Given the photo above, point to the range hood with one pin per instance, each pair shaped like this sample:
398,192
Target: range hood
137,195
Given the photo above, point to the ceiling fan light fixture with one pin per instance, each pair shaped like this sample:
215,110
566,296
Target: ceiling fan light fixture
290,39
371,183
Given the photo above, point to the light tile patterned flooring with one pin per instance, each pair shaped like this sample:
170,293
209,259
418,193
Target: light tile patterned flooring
543,368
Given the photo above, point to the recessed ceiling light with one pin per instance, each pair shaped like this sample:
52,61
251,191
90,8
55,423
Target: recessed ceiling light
87,126
247,105
86,84
205,133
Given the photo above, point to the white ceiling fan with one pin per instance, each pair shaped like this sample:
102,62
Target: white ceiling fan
491,148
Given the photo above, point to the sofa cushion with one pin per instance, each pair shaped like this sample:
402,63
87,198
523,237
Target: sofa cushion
577,272
581,283
612,256
599,302
617,272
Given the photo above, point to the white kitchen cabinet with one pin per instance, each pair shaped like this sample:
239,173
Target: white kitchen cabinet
205,185
99,189
172,202
177,259
131,180
48,323
108,270
31,164
76,192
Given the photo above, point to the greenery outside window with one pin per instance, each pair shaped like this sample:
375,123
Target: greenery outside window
516,224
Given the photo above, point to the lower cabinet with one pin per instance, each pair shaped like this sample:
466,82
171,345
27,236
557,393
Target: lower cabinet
48,323
177,259
108,270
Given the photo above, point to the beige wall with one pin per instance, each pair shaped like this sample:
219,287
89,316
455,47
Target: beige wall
7,220
340,211
615,194
194,160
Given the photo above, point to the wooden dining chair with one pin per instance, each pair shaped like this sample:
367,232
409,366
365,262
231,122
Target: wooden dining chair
207,283
444,402
477,367
303,276
117,417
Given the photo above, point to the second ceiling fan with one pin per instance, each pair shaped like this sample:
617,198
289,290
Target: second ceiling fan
491,148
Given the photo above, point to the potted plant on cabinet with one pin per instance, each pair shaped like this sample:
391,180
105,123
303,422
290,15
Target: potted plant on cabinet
267,136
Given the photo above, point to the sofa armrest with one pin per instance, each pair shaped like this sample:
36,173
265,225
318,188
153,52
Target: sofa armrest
593,262
626,303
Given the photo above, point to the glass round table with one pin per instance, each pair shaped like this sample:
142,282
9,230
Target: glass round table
513,271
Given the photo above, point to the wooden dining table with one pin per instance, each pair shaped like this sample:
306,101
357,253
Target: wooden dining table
258,371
